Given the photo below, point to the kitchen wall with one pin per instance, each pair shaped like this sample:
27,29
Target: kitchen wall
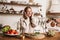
55,6
13,19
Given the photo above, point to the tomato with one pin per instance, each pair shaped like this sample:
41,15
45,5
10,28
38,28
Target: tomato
12,32
8,32
16,32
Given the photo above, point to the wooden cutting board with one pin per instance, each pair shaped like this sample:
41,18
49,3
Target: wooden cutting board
40,36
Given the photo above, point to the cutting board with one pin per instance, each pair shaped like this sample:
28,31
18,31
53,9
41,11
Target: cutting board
40,36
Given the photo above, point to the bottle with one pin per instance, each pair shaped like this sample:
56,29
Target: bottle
18,27
23,37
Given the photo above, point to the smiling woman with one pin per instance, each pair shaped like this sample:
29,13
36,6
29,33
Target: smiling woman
28,22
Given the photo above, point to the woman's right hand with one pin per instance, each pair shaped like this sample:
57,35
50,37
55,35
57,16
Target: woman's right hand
33,25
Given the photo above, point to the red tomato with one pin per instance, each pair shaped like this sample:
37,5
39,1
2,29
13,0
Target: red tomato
16,32
8,32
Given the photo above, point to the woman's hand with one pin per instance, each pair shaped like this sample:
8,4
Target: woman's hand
33,25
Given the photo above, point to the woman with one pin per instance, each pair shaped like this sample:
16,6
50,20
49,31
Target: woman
28,23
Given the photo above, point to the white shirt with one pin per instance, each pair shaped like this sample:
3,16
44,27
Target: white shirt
27,27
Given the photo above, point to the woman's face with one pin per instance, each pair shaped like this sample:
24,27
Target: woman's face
29,12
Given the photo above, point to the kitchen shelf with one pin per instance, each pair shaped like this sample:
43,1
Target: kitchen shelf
16,4
53,14
20,4
1,13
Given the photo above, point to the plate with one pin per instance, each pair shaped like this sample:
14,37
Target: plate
11,34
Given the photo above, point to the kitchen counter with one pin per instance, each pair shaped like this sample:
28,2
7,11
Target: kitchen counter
3,37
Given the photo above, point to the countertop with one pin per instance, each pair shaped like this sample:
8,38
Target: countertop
3,37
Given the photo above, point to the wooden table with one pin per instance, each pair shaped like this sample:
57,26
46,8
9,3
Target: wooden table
56,37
